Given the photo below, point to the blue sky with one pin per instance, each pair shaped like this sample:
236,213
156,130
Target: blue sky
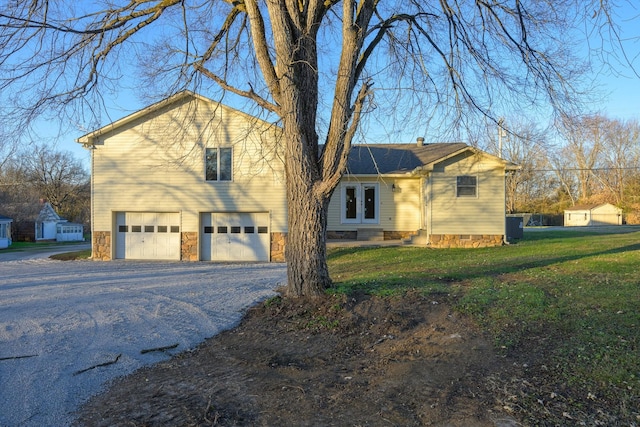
623,102
620,89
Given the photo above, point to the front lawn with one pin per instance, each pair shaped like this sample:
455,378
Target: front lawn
564,304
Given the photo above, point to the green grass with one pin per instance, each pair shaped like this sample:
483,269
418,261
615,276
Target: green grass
72,256
572,296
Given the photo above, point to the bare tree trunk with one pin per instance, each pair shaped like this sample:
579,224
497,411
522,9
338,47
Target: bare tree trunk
307,270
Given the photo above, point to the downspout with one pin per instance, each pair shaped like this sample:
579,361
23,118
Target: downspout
91,147
504,234
428,207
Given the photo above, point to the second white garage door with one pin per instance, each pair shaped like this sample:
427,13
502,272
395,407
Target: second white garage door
148,235
237,236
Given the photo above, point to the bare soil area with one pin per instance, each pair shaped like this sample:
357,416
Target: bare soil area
338,361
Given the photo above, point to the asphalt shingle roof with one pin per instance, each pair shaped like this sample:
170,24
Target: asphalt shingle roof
368,159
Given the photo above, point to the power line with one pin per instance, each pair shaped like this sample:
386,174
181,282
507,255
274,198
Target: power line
585,169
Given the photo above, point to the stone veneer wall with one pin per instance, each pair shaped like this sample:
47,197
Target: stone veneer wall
278,246
102,245
189,246
465,240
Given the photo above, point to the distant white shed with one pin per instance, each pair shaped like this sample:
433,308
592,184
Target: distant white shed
592,215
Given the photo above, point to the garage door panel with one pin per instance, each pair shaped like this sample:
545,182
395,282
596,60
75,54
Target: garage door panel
148,235
235,236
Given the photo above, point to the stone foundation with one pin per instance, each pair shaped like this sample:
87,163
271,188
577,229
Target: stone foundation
189,246
101,245
465,240
278,246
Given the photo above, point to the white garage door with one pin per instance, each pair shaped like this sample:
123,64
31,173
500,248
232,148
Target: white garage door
234,236
148,235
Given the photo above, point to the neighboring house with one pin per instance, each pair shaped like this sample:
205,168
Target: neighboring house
5,231
442,195
46,223
49,226
592,215
190,179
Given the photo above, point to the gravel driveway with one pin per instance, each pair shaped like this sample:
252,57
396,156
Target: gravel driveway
66,328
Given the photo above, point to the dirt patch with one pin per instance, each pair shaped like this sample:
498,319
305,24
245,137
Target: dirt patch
357,361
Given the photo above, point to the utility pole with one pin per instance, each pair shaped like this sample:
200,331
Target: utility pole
501,133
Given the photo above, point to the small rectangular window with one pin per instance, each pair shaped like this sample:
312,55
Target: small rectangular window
149,228
249,230
218,164
466,186
263,230
123,228
208,230
175,228
222,230
235,229
162,229
136,229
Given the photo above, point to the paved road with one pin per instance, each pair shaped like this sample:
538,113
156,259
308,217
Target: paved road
603,229
39,252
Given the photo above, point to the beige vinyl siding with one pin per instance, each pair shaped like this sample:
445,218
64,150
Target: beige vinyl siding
399,210
483,214
157,163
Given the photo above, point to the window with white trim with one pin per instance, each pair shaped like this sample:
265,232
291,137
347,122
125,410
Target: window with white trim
466,186
218,164
360,203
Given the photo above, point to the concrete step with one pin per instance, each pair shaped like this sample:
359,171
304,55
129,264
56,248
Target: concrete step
421,238
367,234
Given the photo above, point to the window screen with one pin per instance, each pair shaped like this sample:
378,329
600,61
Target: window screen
466,186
